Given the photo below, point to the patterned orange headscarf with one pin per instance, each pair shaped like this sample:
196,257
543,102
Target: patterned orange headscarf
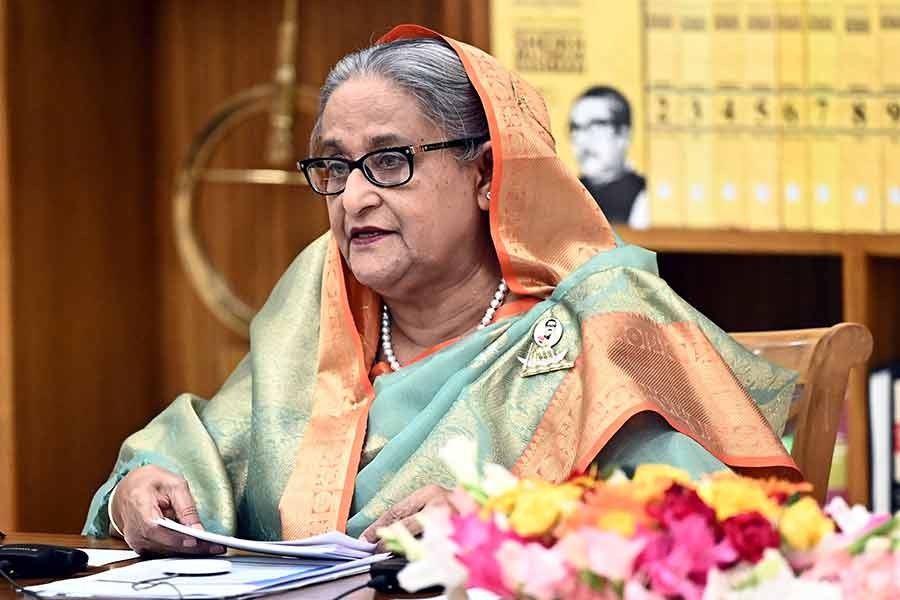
544,223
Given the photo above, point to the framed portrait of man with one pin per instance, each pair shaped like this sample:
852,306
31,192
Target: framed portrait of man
600,129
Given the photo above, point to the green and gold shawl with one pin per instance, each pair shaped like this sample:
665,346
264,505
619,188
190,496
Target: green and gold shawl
300,441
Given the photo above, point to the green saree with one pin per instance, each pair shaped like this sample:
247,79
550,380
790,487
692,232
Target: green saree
300,441
236,449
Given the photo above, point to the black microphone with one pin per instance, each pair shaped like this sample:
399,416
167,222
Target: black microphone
24,561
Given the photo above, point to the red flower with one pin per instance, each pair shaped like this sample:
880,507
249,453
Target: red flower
750,534
680,502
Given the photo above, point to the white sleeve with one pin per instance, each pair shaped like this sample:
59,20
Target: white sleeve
112,524
640,212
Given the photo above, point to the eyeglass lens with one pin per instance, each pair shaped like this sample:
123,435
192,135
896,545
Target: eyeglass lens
594,127
386,168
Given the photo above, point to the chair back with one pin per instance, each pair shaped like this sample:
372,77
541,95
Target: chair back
823,358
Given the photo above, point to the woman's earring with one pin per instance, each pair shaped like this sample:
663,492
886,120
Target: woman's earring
488,195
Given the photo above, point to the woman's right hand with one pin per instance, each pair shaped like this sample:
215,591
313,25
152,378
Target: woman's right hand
151,492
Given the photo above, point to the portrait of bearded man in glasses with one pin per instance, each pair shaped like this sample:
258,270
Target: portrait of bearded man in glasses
600,130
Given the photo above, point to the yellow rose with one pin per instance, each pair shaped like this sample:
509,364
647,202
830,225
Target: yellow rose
533,516
534,507
734,495
803,525
650,481
621,522
649,472
504,503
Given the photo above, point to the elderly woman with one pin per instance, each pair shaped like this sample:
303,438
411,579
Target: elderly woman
469,286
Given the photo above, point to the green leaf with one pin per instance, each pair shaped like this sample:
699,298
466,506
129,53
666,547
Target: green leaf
859,545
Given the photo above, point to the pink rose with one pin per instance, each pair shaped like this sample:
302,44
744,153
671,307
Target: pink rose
478,542
679,502
677,561
603,553
536,571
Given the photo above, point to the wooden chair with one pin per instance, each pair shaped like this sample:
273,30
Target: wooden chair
823,358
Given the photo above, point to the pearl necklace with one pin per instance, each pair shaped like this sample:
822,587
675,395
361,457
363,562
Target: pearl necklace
388,349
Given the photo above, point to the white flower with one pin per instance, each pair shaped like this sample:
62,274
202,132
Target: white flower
461,457
618,477
878,545
850,520
497,480
398,538
439,567
436,564
771,577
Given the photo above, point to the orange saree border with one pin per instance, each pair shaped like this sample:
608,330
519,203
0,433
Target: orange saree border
497,146
543,222
497,143
318,493
689,385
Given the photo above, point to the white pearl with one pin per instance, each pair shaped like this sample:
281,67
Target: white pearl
387,347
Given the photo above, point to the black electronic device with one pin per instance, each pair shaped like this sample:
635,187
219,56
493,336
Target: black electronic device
24,561
384,578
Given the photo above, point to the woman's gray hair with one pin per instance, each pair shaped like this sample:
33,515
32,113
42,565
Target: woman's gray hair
429,70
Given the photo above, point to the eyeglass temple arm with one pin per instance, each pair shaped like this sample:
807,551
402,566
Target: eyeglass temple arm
453,143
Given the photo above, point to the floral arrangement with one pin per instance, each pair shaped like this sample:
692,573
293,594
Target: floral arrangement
656,535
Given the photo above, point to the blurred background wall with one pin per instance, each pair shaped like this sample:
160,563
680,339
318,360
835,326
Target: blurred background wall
99,326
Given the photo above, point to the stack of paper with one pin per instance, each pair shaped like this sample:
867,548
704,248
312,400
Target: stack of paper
331,545
313,560
248,576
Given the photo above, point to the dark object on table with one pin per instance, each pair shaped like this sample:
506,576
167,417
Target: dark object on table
41,560
385,572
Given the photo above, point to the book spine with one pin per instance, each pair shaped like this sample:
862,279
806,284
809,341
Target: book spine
792,118
889,55
858,140
662,111
548,44
895,479
696,113
822,18
727,139
881,427
762,149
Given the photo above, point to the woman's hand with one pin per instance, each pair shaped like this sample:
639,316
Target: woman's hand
151,492
406,510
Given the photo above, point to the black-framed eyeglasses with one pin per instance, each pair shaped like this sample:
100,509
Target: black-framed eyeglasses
595,126
386,167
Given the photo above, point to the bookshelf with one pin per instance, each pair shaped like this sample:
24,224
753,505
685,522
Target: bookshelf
856,277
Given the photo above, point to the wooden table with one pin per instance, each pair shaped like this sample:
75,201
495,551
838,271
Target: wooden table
325,591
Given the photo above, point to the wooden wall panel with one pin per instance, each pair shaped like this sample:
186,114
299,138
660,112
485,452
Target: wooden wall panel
7,408
208,51
99,326
82,247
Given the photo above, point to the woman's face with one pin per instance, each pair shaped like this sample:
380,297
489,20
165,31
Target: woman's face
425,235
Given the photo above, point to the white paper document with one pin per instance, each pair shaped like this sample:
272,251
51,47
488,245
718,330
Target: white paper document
249,576
100,557
328,545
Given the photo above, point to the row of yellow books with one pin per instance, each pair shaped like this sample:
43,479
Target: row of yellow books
760,114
